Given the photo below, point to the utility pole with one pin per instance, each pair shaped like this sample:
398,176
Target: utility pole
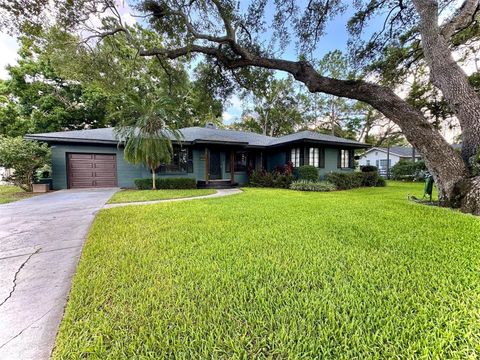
388,160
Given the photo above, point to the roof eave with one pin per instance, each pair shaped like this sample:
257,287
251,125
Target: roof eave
49,139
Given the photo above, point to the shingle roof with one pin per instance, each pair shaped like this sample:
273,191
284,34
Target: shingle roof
198,135
313,136
402,151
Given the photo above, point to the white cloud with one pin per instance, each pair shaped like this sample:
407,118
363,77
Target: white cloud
8,48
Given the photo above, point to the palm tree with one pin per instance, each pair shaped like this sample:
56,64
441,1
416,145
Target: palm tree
146,131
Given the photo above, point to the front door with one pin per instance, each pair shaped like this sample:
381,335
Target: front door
215,167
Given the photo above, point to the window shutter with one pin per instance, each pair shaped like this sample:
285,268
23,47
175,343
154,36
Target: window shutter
339,159
351,160
322,157
302,156
288,156
189,160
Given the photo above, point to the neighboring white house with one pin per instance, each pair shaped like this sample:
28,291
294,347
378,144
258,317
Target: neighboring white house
4,173
377,156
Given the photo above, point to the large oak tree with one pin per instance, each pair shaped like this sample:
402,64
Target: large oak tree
237,35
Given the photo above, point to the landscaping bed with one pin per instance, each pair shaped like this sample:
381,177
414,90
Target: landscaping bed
275,273
125,196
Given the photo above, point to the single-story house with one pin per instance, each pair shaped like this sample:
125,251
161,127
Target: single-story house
94,158
377,156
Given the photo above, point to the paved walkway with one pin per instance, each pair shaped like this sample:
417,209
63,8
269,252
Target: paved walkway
41,239
219,193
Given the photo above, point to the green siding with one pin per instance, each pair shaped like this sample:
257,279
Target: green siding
127,173
331,159
276,159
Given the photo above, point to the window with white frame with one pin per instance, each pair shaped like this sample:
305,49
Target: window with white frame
344,158
295,157
314,157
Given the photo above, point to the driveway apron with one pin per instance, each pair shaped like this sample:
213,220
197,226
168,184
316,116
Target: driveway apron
41,239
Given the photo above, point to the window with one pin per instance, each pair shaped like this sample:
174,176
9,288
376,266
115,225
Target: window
383,163
344,158
313,157
240,161
182,161
368,162
295,157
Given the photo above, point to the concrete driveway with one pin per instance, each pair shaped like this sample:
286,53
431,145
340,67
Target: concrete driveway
41,240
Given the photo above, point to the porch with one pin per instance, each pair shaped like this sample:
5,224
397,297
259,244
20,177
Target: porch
228,167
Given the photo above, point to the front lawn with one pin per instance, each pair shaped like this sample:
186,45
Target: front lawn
125,196
10,193
278,274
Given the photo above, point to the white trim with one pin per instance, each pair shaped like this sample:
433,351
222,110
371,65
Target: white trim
417,155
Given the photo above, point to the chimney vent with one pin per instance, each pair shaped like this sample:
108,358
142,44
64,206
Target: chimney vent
210,125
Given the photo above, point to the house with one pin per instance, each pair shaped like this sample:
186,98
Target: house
94,158
4,173
377,156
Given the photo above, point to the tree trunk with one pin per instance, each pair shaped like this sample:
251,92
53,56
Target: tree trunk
449,77
154,186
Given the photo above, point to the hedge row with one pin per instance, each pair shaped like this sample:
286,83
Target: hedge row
168,183
270,179
350,180
306,185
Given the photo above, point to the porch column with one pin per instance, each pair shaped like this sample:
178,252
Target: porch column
232,167
207,165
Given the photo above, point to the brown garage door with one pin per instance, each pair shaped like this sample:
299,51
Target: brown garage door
92,170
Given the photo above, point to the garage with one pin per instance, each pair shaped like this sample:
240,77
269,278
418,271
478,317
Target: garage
91,170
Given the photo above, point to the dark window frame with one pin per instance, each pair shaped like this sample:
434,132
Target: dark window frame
236,161
182,162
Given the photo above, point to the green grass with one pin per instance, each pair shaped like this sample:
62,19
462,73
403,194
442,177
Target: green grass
10,193
149,195
278,274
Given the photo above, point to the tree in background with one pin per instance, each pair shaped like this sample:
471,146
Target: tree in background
37,98
57,86
332,114
25,158
274,107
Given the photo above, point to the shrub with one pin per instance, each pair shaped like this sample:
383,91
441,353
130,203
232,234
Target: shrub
25,158
345,181
372,178
168,183
305,185
350,180
368,168
408,170
262,178
308,172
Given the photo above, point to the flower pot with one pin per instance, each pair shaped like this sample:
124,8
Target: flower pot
40,188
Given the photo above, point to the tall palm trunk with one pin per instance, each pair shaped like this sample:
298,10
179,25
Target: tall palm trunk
154,186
